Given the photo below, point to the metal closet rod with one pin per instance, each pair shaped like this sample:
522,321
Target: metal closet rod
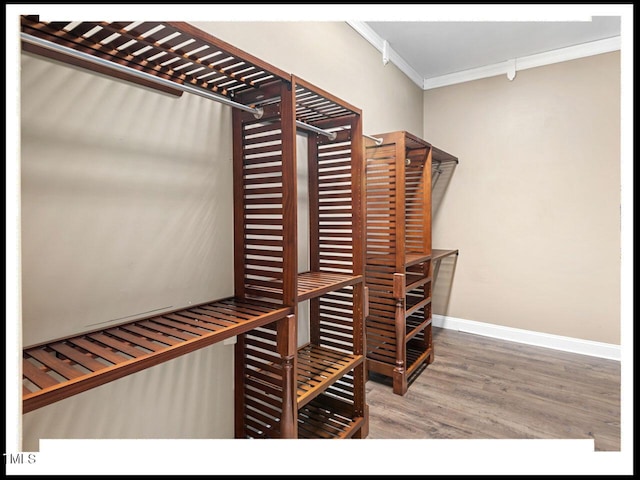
331,135
306,126
257,112
375,139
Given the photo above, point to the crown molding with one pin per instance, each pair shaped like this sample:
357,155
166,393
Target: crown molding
379,43
522,63
508,67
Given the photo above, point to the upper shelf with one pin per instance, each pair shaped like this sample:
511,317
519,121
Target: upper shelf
439,156
180,54
439,254
175,51
65,367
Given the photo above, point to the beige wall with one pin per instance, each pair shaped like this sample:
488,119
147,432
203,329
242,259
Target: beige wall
126,199
534,205
333,56
126,208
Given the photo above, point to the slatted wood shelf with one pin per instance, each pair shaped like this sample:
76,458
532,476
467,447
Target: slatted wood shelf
412,306
328,418
415,258
312,284
69,366
440,254
414,281
410,259
174,51
384,350
416,356
324,417
416,323
315,284
319,368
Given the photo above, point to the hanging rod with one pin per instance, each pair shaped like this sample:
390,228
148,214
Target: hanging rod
375,139
306,126
257,112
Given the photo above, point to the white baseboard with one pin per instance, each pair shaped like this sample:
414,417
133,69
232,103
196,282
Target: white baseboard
557,342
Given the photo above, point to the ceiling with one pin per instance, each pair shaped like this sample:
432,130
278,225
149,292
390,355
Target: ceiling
444,52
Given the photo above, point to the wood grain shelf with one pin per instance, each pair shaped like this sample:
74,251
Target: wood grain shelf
320,367
414,281
311,284
415,258
416,323
69,366
416,356
409,259
315,284
329,418
412,307
439,254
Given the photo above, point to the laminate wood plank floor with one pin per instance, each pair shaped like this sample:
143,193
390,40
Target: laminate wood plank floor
483,388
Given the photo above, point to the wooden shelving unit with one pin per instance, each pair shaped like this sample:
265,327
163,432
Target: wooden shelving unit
316,390
398,257
281,390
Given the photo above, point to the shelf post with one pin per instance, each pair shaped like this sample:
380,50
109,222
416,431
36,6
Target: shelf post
399,377
287,349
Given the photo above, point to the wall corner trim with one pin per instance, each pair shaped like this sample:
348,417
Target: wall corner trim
546,340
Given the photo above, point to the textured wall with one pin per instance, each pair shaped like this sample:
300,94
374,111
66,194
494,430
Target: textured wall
534,205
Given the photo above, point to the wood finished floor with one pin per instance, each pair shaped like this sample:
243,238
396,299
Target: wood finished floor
482,388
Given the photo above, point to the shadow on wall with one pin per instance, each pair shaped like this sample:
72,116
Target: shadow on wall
444,270
441,175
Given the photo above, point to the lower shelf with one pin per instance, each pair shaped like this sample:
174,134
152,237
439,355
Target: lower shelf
416,323
327,417
319,367
418,354
66,367
417,357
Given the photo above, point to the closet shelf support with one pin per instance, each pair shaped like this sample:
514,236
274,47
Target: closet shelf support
25,37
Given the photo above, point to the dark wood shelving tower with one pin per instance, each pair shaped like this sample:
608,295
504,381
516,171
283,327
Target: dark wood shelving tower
315,391
398,257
